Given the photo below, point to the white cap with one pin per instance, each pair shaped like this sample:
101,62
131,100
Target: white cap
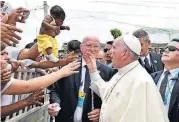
132,42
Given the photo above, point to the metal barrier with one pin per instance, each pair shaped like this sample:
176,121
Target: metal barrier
25,74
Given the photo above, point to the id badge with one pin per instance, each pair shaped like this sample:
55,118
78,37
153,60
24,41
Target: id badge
81,98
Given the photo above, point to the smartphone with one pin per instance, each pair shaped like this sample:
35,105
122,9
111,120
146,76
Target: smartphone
26,15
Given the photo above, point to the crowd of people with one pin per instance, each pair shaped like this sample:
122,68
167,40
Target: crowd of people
124,82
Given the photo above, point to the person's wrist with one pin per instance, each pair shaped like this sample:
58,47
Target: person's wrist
67,61
92,70
60,73
26,102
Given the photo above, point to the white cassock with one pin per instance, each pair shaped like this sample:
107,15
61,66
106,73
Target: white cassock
130,96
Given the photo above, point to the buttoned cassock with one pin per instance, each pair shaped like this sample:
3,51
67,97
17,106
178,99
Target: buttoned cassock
130,96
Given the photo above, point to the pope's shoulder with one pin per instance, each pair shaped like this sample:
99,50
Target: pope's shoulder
142,76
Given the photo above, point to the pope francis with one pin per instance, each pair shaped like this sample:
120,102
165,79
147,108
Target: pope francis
131,95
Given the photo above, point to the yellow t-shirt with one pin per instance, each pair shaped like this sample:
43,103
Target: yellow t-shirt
44,41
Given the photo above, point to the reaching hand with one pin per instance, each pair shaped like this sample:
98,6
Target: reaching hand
71,57
35,98
16,64
67,28
94,115
90,61
5,75
8,34
17,16
53,109
69,69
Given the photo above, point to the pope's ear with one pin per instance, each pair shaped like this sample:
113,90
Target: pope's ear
126,54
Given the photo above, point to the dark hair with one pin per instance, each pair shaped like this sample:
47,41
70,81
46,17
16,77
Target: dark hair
35,40
57,12
28,46
175,40
73,45
110,42
141,33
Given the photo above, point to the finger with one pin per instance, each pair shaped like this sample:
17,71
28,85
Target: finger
6,74
92,112
38,103
4,70
74,64
74,72
20,10
93,115
6,80
94,119
6,77
75,67
6,41
71,53
74,56
50,107
14,35
52,112
14,28
10,38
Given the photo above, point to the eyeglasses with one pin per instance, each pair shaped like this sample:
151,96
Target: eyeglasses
92,46
98,58
106,50
171,48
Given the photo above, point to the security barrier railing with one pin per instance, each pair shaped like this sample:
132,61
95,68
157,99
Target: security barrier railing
24,74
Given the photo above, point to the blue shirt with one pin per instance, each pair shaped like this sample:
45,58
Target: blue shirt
173,74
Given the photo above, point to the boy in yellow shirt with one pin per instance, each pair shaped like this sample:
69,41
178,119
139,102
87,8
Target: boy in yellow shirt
51,26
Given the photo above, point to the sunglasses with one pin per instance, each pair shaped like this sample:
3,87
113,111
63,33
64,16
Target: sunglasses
171,48
106,50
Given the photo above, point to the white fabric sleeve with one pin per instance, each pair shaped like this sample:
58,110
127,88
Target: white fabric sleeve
7,85
98,85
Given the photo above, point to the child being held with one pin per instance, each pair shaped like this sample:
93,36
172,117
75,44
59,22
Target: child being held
51,26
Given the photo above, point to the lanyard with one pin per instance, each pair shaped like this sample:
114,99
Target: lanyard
168,91
83,73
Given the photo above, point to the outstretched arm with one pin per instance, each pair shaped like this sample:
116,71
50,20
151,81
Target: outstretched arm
64,27
21,86
49,64
31,100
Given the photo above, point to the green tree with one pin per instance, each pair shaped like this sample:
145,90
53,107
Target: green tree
115,33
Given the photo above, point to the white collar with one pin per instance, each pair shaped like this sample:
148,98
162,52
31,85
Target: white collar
83,62
173,72
143,57
128,67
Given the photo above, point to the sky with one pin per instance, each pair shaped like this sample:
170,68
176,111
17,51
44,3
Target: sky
97,17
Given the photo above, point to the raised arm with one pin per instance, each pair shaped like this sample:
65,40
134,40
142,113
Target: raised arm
21,86
46,23
98,85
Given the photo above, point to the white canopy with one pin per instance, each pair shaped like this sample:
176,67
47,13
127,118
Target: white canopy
96,17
